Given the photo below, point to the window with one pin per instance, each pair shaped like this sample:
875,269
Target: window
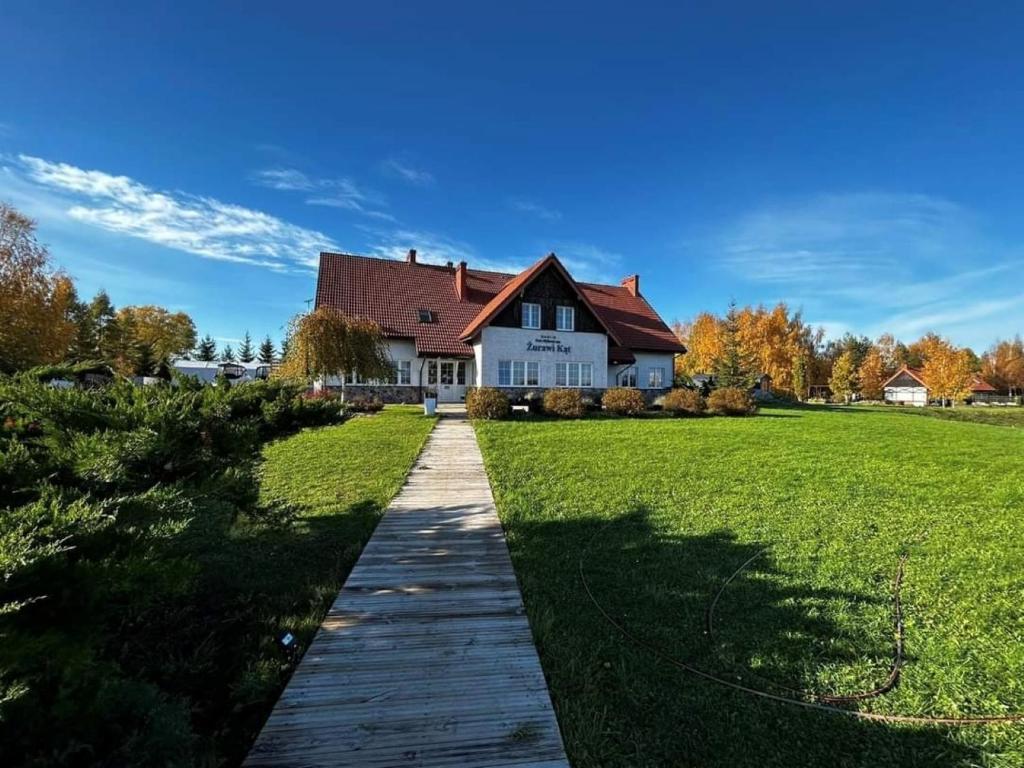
655,378
432,372
460,373
403,372
574,375
628,377
426,316
447,373
565,319
531,315
518,373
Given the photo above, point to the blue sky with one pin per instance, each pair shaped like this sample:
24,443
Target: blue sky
860,162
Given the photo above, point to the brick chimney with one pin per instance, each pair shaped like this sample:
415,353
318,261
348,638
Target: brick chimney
411,258
461,289
632,284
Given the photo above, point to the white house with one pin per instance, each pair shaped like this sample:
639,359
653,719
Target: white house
451,327
906,387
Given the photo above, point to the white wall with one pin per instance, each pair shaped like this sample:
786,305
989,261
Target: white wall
568,346
398,349
644,362
911,395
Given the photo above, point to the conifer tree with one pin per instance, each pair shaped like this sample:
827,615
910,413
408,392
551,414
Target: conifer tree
267,351
733,368
246,353
228,355
207,349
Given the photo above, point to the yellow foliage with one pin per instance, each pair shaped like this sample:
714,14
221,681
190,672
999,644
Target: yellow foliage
35,300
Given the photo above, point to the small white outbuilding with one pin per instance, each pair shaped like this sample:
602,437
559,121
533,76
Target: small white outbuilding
906,387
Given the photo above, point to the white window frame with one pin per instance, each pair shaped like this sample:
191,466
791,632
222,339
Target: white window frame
574,375
531,326
561,312
403,372
507,365
520,373
658,373
627,376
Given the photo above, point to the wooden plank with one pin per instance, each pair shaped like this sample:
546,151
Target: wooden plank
425,658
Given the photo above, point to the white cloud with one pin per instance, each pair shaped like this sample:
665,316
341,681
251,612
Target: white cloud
876,262
590,263
287,179
340,193
534,208
202,226
402,170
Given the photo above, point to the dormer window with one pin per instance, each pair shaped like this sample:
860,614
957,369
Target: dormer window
426,316
531,315
565,319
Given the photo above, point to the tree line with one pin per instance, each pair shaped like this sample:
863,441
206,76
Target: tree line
749,341
43,321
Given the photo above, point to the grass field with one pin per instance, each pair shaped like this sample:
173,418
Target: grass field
661,512
1002,416
339,480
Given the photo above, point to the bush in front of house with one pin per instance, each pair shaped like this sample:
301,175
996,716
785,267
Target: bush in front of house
363,404
683,402
564,403
731,401
125,634
624,401
487,403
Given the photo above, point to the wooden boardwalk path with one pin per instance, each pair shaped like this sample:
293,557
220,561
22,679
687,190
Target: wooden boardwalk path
425,658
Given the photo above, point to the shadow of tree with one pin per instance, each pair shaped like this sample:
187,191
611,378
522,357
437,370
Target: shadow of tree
619,704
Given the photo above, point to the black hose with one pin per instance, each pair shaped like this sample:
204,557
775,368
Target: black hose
818,706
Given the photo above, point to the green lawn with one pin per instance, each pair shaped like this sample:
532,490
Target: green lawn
661,512
339,480
1003,416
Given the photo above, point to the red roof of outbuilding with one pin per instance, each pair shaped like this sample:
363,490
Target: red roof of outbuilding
980,385
390,292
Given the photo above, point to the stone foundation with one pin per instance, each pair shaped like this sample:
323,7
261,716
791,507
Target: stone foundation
391,394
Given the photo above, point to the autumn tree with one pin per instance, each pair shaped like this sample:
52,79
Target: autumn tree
267,351
36,301
947,371
246,352
798,377
1002,365
843,381
704,344
207,349
326,343
171,334
872,375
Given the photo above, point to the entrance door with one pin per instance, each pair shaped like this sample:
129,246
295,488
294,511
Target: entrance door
451,381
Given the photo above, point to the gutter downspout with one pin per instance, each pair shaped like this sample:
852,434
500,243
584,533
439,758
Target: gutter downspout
420,387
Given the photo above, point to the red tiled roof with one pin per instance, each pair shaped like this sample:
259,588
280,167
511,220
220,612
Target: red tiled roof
980,385
913,372
390,292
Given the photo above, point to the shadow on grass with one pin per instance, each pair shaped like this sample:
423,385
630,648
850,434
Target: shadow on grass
619,704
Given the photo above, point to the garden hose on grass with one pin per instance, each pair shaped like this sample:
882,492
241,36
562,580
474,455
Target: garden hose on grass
894,670
821,703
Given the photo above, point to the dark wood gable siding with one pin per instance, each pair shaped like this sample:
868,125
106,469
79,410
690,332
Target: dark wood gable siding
905,380
550,290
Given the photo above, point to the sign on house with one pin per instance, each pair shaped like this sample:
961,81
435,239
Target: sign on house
548,344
